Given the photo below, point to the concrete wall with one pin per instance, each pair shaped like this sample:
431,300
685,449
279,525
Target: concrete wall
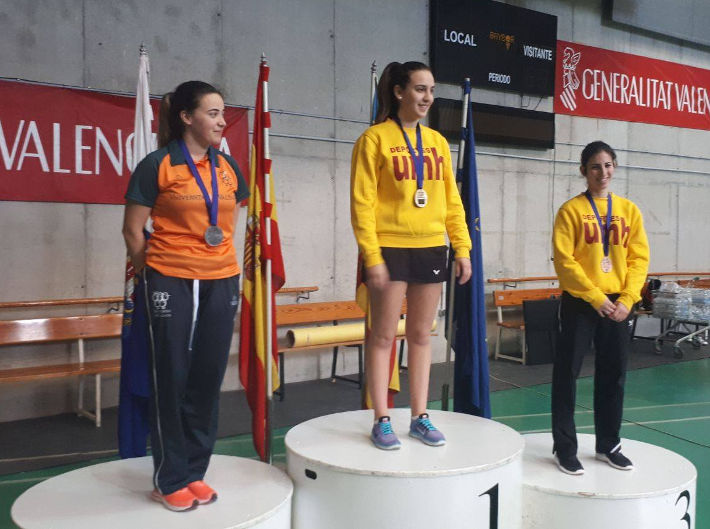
320,52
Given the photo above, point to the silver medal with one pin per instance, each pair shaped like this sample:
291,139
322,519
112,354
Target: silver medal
606,265
214,236
420,198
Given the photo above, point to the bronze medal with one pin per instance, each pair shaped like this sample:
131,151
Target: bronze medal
606,264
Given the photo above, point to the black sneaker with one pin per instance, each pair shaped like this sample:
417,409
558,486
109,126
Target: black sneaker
569,464
616,459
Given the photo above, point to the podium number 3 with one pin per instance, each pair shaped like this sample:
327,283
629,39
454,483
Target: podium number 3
685,494
493,509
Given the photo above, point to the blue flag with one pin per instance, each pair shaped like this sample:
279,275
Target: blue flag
134,389
471,392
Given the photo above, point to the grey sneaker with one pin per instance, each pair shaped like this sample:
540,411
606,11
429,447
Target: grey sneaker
569,464
421,428
616,459
383,437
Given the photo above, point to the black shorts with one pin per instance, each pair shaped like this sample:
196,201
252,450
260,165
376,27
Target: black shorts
417,265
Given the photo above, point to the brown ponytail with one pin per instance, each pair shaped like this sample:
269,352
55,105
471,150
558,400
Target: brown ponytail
394,74
164,135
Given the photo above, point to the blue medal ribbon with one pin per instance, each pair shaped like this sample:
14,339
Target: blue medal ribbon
213,203
418,158
604,230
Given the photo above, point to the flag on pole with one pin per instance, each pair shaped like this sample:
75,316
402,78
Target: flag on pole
142,124
361,295
134,385
373,92
254,331
471,391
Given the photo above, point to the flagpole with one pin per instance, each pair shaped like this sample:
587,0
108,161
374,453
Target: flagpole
373,97
269,315
373,90
131,418
452,277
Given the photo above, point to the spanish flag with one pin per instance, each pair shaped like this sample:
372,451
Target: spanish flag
261,217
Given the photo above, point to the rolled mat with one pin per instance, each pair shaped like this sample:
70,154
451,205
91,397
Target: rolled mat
348,332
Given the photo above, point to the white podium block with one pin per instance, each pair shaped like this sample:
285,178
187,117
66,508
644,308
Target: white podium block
342,481
659,493
116,495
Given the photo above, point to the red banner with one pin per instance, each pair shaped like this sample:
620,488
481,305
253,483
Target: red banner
600,83
71,145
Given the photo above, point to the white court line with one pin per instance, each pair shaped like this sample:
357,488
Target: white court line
234,440
687,419
220,442
53,456
544,430
239,439
635,408
43,478
26,480
631,423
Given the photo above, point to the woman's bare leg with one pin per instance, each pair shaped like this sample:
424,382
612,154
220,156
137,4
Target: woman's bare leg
385,308
422,300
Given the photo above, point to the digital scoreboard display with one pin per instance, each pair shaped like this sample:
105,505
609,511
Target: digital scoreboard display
495,124
496,45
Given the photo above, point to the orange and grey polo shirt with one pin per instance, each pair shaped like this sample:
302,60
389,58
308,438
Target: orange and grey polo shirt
177,248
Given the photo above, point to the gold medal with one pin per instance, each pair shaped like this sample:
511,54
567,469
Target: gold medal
420,198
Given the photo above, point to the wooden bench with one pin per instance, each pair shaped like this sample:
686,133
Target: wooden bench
333,312
513,299
113,300
75,329
116,301
71,329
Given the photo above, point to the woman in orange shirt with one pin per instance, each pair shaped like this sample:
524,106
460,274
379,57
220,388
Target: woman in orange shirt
189,269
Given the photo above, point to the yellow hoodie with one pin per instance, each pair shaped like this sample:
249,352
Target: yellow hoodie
578,250
382,187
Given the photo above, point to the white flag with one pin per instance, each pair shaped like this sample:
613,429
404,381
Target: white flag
142,127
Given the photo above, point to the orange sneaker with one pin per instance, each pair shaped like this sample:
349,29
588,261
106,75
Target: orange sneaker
203,492
180,500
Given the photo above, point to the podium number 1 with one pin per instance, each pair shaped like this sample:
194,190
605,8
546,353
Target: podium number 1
493,508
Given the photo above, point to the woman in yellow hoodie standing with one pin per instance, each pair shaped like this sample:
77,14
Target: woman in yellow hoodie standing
601,258
403,201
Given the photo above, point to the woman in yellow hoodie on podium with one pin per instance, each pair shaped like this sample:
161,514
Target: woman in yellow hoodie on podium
601,258
403,201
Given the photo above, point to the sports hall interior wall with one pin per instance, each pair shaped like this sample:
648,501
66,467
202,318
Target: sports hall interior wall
320,52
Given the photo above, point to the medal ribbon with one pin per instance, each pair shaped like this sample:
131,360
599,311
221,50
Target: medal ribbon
417,159
212,204
604,232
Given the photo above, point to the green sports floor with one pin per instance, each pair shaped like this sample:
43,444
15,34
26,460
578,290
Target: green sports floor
667,405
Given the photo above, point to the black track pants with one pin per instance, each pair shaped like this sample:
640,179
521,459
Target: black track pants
581,327
191,327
